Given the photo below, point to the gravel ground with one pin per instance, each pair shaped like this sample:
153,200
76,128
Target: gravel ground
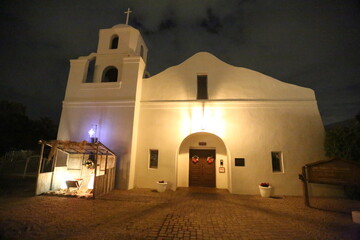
188,213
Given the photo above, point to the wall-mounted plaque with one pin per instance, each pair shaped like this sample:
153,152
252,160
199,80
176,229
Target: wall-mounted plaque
221,170
239,162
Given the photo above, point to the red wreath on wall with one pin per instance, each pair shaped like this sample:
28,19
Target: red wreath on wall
195,159
210,160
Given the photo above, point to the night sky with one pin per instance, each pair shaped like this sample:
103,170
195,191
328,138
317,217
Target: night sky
313,44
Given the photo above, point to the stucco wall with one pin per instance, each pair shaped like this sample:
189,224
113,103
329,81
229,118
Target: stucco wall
252,113
294,129
130,72
114,130
249,130
165,129
224,82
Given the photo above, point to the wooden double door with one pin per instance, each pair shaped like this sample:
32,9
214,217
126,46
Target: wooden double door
202,168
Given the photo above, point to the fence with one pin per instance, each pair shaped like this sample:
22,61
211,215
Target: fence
19,163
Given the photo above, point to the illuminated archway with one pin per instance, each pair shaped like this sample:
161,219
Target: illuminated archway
203,140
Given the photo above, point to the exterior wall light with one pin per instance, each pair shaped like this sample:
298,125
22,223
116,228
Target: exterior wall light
92,134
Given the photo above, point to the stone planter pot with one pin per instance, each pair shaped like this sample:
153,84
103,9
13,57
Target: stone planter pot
265,191
161,186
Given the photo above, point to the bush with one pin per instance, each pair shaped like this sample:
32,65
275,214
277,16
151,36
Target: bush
344,142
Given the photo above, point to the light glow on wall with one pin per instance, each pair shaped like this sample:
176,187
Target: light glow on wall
214,122
91,132
204,119
197,119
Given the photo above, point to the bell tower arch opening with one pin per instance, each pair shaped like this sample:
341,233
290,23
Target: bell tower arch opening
203,160
114,42
110,74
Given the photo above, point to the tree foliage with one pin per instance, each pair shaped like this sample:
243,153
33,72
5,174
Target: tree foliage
344,142
19,132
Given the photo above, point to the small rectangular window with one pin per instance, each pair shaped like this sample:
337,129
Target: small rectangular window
239,162
202,92
277,161
153,161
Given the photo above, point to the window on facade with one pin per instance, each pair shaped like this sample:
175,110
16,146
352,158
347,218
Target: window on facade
277,161
110,74
153,158
202,92
114,42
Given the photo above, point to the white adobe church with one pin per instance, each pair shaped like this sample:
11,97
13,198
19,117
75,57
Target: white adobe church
200,123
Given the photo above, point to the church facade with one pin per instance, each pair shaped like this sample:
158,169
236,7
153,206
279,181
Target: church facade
200,123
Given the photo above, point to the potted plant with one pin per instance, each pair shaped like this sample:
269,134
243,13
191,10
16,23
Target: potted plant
161,186
265,189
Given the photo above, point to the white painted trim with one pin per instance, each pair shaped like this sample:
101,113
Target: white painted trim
237,100
225,104
102,85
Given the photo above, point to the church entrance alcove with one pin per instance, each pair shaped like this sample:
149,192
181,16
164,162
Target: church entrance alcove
202,168
203,161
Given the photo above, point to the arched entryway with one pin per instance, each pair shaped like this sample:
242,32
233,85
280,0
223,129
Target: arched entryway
203,161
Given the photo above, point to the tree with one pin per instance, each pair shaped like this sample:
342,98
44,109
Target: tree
19,132
344,141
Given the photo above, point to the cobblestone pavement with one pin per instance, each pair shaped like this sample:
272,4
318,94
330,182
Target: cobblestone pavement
189,213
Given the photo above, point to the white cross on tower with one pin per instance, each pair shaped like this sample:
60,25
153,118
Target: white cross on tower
127,16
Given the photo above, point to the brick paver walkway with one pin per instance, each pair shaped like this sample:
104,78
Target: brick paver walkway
198,213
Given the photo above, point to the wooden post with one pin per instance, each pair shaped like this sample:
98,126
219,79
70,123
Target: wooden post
26,166
53,168
305,188
42,158
40,163
95,170
106,184
106,160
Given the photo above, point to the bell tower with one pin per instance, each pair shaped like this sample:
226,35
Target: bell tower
104,89
115,44
111,67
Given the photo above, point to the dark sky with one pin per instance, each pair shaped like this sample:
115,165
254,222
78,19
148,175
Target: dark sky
314,44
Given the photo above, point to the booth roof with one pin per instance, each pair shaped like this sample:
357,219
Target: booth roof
83,147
